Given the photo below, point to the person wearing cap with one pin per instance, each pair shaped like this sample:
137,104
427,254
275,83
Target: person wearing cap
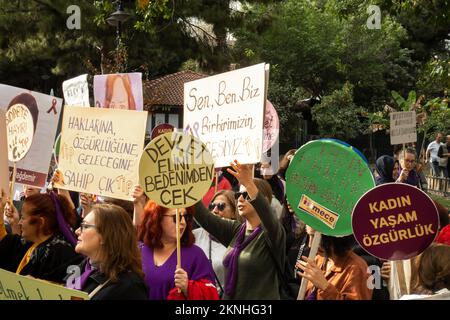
46,246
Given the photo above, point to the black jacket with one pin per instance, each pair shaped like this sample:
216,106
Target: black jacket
128,286
49,260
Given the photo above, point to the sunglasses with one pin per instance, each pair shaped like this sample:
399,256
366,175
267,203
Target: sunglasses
244,194
187,217
220,206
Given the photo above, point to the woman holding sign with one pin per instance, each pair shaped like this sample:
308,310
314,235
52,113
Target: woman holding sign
250,266
157,235
48,248
337,273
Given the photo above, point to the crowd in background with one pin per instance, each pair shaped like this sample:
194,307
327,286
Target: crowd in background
243,241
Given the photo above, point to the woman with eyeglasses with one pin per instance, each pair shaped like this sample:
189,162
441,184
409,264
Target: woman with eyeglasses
254,247
113,269
194,279
222,205
45,247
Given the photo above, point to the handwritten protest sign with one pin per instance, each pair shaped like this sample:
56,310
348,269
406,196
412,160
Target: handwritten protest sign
271,126
119,91
76,91
403,127
161,129
17,287
395,221
4,173
226,112
99,153
323,182
45,110
176,170
57,148
20,130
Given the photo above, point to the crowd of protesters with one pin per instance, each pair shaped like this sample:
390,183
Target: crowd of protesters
243,241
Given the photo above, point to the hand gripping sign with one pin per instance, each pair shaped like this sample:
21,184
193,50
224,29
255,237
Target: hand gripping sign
323,182
176,170
395,221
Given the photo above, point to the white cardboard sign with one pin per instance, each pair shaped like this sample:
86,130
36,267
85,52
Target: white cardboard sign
403,127
226,112
76,91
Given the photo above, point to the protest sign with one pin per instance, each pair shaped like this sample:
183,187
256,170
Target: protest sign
20,131
226,112
4,172
323,182
176,170
119,91
57,148
76,92
395,221
17,287
271,126
99,153
161,129
45,110
403,127
353,148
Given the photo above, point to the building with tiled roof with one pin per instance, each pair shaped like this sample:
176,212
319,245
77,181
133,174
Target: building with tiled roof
163,98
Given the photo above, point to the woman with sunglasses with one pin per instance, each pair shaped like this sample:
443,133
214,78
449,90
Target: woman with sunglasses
45,248
194,279
222,205
252,246
113,269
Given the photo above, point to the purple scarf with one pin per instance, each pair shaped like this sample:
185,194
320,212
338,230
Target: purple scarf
231,260
88,270
62,223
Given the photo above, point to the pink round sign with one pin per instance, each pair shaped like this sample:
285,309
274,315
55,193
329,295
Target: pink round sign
271,126
395,221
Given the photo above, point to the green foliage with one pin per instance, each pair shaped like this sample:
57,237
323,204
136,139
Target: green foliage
438,117
402,103
337,116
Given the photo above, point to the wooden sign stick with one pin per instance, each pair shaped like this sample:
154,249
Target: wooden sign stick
177,214
217,181
312,254
13,180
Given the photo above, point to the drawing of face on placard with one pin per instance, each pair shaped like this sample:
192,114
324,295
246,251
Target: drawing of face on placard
176,170
21,120
118,91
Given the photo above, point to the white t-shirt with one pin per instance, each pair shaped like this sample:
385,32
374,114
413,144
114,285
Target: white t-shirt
217,252
434,148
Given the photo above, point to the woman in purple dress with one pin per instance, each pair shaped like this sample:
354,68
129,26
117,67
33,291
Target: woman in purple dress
194,279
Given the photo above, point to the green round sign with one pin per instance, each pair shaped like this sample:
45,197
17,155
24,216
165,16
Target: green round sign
324,181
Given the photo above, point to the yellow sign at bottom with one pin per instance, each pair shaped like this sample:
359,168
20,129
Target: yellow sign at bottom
17,287
318,211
